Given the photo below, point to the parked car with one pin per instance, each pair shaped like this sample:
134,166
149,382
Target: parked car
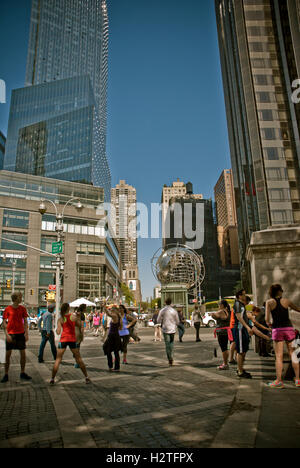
150,323
208,321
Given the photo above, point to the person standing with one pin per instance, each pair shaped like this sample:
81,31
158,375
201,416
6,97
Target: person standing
282,331
113,342
223,331
196,322
66,328
157,327
128,322
96,323
241,332
169,320
47,333
180,326
79,330
15,326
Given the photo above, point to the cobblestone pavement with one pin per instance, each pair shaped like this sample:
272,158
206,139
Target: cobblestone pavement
147,405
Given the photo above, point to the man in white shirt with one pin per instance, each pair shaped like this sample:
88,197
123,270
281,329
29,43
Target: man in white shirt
168,317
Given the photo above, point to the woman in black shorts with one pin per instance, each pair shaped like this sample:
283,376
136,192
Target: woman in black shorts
223,331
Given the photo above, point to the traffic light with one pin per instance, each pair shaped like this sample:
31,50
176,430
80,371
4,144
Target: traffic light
47,295
8,284
31,292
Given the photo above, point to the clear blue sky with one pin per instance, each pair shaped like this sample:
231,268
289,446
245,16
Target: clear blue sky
166,113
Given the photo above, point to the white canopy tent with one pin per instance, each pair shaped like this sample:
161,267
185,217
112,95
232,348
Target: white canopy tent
81,301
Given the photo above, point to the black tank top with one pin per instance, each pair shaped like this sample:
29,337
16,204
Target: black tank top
280,316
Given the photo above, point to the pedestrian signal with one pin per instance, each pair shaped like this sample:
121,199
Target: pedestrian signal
8,284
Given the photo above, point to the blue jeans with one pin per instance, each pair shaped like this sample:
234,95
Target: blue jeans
169,342
181,330
45,339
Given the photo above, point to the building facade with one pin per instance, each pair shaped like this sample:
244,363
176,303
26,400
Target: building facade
91,258
124,224
54,131
260,57
176,190
226,220
2,149
57,124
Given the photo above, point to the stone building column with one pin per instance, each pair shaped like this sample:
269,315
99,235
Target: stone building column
274,256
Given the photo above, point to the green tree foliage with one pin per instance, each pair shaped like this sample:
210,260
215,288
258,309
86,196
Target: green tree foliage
129,296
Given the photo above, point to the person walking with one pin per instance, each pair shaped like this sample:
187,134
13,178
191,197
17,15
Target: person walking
128,322
241,332
283,331
47,333
196,322
66,328
169,320
157,327
180,326
113,342
15,326
96,323
223,331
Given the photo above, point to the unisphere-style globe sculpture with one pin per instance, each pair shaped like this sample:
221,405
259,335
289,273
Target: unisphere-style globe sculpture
178,264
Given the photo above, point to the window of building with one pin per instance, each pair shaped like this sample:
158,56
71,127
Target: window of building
273,154
18,219
6,245
282,217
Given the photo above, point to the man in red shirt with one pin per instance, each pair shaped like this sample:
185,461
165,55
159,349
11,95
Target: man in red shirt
16,331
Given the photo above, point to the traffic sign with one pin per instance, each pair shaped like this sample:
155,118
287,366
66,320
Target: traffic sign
58,263
57,247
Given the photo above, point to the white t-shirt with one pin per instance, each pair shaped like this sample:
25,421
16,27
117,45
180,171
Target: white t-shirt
168,317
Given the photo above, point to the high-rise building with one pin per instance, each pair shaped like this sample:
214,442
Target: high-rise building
226,220
2,149
59,118
53,131
177,189
124,220
182,222
260,57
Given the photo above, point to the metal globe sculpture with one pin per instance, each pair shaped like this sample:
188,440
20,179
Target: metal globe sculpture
178,265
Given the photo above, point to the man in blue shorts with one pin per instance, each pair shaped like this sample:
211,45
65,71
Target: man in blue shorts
241,332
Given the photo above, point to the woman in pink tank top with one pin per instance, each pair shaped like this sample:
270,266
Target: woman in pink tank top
66,328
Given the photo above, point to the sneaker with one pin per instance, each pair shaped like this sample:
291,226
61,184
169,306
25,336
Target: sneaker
297,383
77,366
87,381
171,363
5,379
24,376
244,375
223,367
52,382
276,384
41,361
125,362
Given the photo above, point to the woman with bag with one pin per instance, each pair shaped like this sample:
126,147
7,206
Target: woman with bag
113,342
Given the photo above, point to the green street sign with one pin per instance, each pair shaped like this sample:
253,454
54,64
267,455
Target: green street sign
57,247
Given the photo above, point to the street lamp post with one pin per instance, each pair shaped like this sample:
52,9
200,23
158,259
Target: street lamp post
59,228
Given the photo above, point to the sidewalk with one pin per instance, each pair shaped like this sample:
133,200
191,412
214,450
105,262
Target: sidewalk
147,405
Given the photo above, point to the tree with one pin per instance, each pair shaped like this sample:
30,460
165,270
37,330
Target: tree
129,296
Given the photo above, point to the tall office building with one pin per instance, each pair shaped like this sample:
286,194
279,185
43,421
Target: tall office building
2,149
57,124
177,189
260,57
226,220
123,199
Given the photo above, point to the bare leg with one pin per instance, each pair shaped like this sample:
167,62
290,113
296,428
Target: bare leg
60,353
295,365
232,351
23,360
225,358
7,361
76,354
240,361
279,346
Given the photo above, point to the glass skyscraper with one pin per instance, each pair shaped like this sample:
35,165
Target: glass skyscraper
260,56
2,149
57,124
